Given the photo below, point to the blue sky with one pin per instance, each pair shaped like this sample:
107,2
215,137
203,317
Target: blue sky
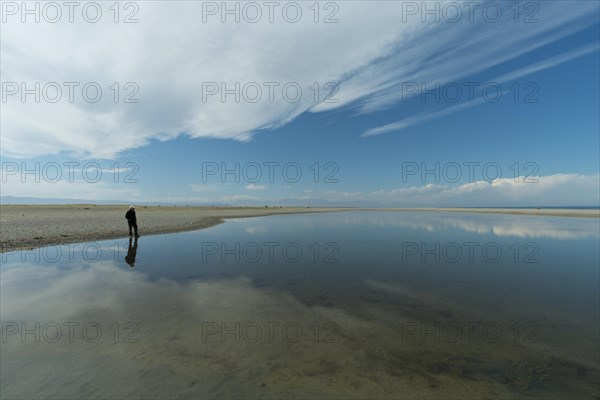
535,145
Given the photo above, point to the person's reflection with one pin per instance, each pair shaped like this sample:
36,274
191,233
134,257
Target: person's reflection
131,252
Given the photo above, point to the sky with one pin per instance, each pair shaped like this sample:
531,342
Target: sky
359,103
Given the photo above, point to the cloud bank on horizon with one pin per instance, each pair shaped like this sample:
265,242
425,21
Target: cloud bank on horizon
543,191
176,58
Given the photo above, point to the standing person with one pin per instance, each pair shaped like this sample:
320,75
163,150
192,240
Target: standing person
132,220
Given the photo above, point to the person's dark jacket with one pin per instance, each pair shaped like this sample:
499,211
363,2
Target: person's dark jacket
130,215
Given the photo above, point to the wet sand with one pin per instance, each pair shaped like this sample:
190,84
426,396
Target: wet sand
30,226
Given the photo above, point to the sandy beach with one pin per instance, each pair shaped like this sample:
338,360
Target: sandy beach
30,226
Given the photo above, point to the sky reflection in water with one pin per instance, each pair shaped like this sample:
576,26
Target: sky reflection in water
355,304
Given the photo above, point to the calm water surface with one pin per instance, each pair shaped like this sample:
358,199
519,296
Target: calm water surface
337,305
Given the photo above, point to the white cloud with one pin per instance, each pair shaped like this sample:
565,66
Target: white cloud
253,186
170,53
551,190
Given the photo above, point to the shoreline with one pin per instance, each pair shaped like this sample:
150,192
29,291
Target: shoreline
26,227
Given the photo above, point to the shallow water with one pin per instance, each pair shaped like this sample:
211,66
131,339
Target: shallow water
336,305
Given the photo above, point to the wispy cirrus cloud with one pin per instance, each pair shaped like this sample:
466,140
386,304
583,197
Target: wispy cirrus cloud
549,63
519,73
169,55
420,118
